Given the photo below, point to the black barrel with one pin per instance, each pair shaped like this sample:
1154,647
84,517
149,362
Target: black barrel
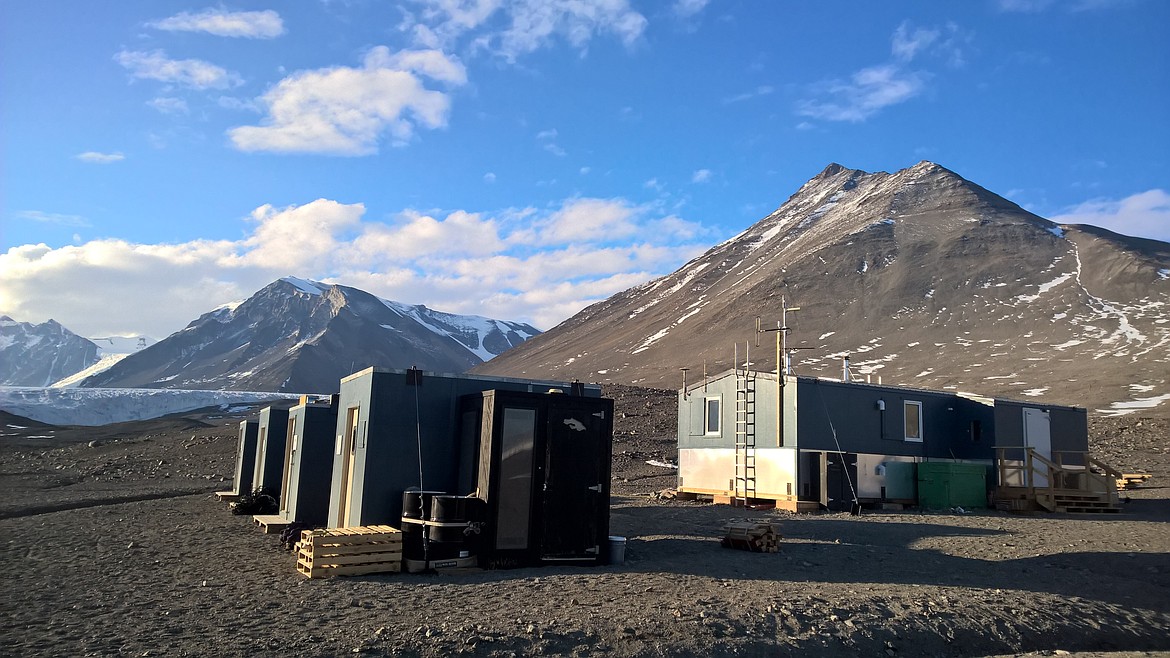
416,504
449,509
412,541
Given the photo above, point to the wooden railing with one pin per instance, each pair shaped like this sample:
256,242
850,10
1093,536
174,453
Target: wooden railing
1069,471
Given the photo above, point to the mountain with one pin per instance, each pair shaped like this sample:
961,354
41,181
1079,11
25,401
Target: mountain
303,336
111,349
924,278
40,354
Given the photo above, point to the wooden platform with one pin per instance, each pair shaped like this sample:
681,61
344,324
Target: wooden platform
760,501
271,523
228,496
350,551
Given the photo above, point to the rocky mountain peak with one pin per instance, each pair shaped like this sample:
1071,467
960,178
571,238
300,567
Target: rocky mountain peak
926,278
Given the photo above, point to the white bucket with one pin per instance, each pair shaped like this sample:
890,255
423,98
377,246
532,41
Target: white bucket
617,550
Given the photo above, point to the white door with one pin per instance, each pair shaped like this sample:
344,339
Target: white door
1038,436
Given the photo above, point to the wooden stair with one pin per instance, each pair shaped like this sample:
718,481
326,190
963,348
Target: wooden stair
1069,483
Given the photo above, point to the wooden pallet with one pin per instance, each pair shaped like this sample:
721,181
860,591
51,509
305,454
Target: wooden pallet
227,496
1132,480
350,551
271,524
754,537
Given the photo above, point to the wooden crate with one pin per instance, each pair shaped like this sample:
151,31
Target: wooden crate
755,537
350,551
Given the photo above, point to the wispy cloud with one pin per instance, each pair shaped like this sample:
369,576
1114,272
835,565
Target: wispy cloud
220,22
530,24
1026,6
1146,214
762,90
346,111
1037,6
874,88
194,73
96,157
76,221
489,177
169,105
865,93
538,265
701,176
548,141
688,8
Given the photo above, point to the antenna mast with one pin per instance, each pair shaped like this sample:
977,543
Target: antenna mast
783,363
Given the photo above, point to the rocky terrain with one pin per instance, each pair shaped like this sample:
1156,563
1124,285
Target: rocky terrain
115,545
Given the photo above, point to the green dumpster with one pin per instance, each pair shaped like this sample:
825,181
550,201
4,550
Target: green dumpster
949,484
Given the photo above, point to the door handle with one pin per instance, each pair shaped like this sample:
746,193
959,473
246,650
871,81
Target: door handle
596,488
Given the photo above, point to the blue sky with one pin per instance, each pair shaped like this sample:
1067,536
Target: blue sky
521,159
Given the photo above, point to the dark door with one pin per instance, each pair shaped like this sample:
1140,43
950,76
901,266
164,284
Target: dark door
574,483
840,480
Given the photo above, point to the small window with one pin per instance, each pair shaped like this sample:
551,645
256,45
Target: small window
913,411
711,416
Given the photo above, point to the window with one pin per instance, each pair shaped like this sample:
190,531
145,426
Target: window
913,412
711,416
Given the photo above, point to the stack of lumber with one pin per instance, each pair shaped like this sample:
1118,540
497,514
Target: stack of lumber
350,551
1132,480
755,537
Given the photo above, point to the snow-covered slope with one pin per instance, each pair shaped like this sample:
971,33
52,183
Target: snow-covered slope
300,335
111,349
40,354
922,277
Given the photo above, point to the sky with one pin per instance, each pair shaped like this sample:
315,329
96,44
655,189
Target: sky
521,159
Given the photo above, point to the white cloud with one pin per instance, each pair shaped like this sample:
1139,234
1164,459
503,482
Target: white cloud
220,22
762,90
54,218
1027,6
489,177
194,73
527,25
688,8
701,176
169,105
874,88
867,92
346,111
95,157
907,42
532,265
1146,214
547,139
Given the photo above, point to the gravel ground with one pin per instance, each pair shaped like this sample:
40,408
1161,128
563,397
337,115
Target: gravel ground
114,545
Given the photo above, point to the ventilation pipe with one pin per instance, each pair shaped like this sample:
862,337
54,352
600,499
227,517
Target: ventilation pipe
845,369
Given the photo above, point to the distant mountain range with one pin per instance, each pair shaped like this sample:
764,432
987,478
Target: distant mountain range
924,278
40,354
303,336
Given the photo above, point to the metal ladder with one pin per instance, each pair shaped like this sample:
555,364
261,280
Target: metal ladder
745,433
